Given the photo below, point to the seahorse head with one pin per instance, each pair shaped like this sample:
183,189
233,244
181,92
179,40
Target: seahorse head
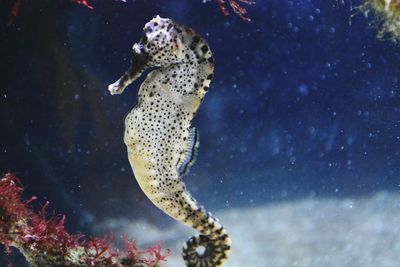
162,41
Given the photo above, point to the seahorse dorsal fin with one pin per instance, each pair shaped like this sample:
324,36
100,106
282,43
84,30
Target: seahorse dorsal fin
191,152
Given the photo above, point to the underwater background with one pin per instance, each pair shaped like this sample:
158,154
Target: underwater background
299,134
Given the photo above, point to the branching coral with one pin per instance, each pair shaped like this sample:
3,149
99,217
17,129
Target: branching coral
86,3
240,11
45,241
17,4
386,17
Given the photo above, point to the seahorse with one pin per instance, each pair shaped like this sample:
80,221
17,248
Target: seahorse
161,143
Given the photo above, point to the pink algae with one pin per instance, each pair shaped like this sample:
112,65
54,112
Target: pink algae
45,241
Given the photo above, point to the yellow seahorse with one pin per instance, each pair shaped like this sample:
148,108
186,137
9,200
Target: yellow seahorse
160,140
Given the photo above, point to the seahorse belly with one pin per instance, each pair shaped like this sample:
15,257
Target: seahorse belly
142,173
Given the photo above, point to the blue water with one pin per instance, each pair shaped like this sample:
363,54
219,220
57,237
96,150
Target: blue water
303,104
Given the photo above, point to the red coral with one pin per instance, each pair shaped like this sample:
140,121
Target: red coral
236,7
15,8
83,2
138,256
240,11
133,252
48,234
12,209
46,242
99,252
155,255
17,3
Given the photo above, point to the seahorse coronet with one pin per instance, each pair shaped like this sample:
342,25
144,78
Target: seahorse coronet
160,141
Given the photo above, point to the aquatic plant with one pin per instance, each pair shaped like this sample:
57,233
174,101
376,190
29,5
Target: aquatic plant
239,10
386,17
45,241
17,4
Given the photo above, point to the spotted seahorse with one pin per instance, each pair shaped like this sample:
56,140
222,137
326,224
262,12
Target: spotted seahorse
160,141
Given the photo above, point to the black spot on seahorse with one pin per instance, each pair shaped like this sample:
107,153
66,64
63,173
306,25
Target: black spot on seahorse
204,49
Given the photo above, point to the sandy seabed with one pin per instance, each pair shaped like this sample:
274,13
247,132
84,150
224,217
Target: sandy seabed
362,232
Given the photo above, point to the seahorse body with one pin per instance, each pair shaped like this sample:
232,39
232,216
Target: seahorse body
160,141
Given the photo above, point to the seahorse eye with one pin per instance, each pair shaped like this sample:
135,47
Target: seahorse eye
144,39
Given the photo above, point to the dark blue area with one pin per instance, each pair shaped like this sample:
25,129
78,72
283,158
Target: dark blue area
303,104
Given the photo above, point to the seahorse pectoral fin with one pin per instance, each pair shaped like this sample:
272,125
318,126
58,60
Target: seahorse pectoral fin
190,153
139,61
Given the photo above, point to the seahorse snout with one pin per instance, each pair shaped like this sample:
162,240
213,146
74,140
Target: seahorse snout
139,62
115,88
